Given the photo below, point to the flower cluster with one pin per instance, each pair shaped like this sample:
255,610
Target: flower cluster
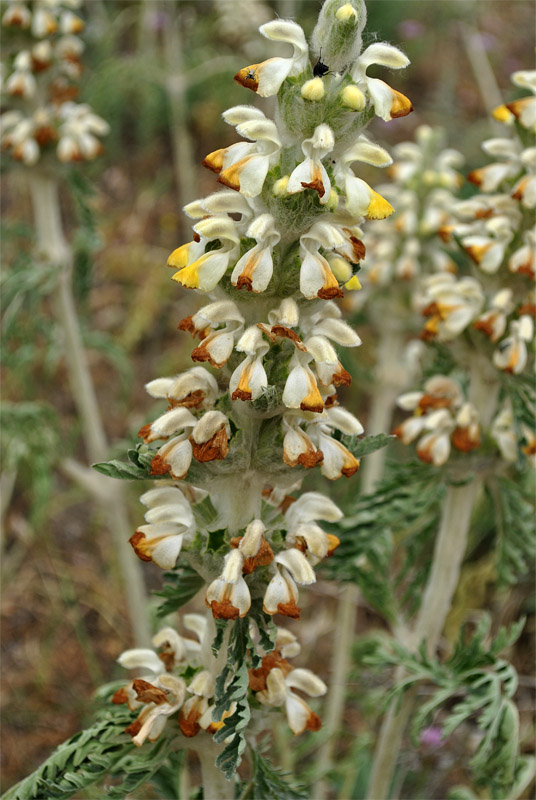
41,64
490,308
441,418
425,180
273,250
178,683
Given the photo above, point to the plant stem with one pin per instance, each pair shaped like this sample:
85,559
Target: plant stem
183,148
387,388
53,246
215,784
449,552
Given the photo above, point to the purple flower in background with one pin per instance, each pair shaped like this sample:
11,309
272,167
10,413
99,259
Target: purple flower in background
431,737
411,28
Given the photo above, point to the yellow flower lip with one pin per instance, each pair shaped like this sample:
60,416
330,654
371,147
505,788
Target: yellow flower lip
353,284
502,114
379,207
179,257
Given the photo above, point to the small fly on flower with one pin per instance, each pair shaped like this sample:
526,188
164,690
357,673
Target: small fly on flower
320,69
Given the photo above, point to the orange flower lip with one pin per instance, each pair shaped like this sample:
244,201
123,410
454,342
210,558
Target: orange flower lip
248,78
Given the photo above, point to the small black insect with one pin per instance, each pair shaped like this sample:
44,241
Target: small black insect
251,75
320,69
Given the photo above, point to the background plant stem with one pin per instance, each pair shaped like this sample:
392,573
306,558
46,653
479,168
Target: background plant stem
387,388
54,248
449,552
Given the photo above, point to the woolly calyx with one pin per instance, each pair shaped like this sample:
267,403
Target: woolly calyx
338,33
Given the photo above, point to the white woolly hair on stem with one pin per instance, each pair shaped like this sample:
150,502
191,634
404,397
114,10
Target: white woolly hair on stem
449,552
54,248
386,390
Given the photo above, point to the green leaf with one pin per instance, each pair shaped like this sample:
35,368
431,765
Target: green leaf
100,752
461,793
121,470
405,508
139,468
179,588
369,444
232,687
474,683
514,511
269,783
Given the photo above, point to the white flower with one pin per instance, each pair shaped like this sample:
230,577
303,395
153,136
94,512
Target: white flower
279,692
301,390
434,447
217,342
229,600
511,354
162,698
196,388
203,270
281,596
490,177
388,103
361,200
450,305
161,694
493,322
249,379
311,173
523,260
266,78
17,15
338,460
170,520
488,250
254,270
244,166
504,434
78,133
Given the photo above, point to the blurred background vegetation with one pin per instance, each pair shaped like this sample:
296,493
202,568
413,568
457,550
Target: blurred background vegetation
160,72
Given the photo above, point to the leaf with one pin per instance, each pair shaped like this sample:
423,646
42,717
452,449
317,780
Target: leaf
522,393
232,686
482,686
369,444
514,509
268,782
406,506
461,793
179,588
121,470
89,757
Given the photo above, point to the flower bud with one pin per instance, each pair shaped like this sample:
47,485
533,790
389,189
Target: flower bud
280,187
313,89
353,97
337,35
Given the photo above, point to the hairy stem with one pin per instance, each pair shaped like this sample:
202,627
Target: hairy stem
56,251
449,552
387,388
215,785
